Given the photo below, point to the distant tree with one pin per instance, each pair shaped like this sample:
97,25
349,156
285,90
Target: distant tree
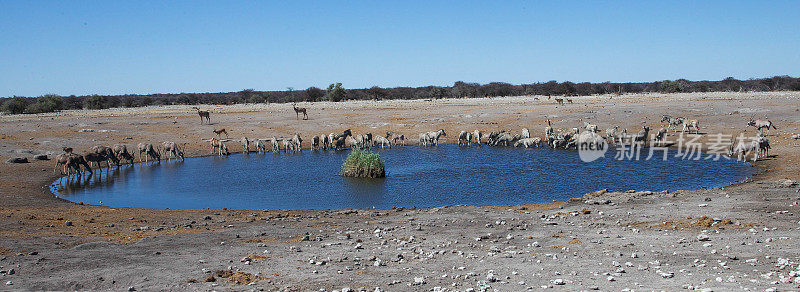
96,102
45,104
376,92
245,95
668,86
438,92
15,105
314,94
336,92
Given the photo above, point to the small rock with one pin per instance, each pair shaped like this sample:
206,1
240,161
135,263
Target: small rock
41,157
17,160
419,281
703,237
68,223
559,282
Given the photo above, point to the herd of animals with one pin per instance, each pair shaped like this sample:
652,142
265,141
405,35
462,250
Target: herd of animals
70,163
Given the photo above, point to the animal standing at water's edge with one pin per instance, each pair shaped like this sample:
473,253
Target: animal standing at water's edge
245,145
203,115
149,151
121,151
691,124
761,124
298,110
106,152
171,148
219,145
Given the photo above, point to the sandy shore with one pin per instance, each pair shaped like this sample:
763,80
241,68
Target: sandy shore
738,237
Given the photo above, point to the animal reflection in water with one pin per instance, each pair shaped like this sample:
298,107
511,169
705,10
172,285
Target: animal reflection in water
114,174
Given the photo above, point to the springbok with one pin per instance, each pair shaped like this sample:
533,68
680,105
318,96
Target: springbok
149,151
761,124
203,115
221,131
219,145
171,148
560,101
298,110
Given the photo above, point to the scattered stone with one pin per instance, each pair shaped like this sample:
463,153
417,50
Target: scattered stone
703,237
68,223
41,157
559,282
419,281
17,160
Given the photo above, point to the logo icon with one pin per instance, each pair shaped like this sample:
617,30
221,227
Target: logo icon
591,146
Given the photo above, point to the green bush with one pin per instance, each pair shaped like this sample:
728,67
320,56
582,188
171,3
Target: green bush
95,102
336,92
15,105
363,163
46,104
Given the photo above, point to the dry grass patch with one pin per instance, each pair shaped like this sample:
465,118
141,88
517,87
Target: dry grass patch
239,278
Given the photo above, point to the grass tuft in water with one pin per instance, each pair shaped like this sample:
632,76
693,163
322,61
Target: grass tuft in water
363,163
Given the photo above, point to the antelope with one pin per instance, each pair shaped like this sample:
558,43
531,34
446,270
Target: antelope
560,101
173,149
298,110
203,115
569,100
761,124
221,131
121,151
744,148
106,152
149,151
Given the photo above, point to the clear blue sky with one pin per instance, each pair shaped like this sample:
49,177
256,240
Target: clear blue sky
117,47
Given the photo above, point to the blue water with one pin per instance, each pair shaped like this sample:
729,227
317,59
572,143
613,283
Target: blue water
415,176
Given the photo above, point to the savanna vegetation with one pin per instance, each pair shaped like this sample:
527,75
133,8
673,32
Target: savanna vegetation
336,92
